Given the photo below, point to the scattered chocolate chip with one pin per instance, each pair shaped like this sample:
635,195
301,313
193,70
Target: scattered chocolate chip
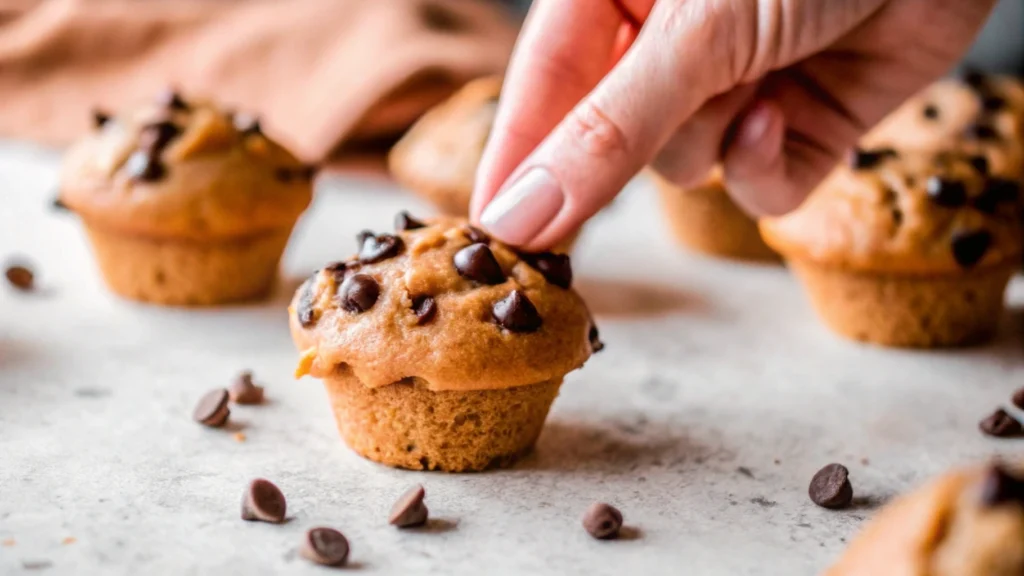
325,546
263,501
477,263
403,222
1000,486
992,103
376,248
170,98
244,391
476,235
602,521
931,112
212,409
1018,398
306,313
425,308
866,159
980,163
409,510
358,293
946,192
831,488
981,131
970,247
516,313
156,136
997,191
100,118
143,166
19,276
1000,424
595,339
556,268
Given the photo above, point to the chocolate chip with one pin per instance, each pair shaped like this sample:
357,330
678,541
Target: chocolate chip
156,136
477,235
337,270
244,391
1000,486
595,339
992,103
358,293
1018,398
145,167
306,312
997,191
1000,424
931,112
212,409
516,313
100,118
425,308
831,488
376,248
263,501
20,277
409,510
403,222
602,521
970,247
556,268
866,159
325,546
981,131
946,192
979,163
170,98
477,263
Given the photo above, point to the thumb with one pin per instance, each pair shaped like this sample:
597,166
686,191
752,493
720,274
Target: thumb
617,128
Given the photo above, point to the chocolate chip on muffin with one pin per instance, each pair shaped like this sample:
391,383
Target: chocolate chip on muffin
476,262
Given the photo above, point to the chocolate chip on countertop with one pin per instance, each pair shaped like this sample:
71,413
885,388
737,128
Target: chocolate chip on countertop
866,159
516,313
831,488
306,312
931,112
1000,424
170,98
403,222
425,308
20,276
556,268
263,501
244,391
144,166
212,409
477,235
595,339
1000,486
997,191
477,263
409,510
380,247
602,521
946,192
358,293
993,103
981,131
970,247
100,118
1018,398
325,546
156,136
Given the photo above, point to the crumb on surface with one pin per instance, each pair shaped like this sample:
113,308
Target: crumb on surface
8,542
239,437
69,540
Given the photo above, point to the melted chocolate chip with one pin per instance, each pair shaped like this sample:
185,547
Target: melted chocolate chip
306,313
997,191
171,99
477,235
376,248
477,263
946,192
425,308
867,159
100,118
556,268
970,247
981,131
992,103
403,222
144,166
1000,486
980,163
358,293
516,313
156,136
931,112
595,339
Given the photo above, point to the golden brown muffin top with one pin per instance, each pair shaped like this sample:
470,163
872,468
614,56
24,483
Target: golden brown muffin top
440,301
966,523
439,155
184,169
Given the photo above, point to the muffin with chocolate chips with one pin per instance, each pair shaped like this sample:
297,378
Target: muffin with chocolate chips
965,523
185,204
440,348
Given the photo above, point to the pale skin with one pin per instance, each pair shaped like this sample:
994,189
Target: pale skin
776,91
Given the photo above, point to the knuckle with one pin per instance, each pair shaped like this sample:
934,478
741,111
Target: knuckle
596,132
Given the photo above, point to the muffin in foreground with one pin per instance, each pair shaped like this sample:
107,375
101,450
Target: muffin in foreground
965,523
440,348
185,203
704,218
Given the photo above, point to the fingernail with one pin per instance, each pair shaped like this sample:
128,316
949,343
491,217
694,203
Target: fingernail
525,208
755,126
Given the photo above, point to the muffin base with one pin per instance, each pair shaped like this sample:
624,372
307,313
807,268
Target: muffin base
705,219
907,311
188,273
407,425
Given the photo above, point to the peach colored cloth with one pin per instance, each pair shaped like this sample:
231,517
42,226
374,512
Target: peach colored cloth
321,73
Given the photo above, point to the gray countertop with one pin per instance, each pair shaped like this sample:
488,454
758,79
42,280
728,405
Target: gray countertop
716,399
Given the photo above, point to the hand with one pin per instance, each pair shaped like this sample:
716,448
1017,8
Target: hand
775,90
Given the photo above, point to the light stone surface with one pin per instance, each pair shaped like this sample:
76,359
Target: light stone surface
717,398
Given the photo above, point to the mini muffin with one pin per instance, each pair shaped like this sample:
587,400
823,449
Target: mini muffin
704,218
440,348
185,203
966,523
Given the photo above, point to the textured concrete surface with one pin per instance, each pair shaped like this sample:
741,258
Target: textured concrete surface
717,398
